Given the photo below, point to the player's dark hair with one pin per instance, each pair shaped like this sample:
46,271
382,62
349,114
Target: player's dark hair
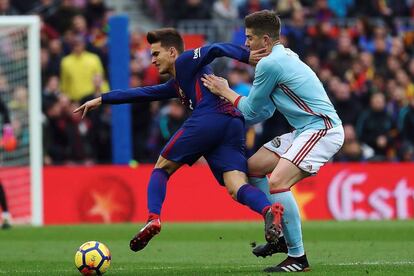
169,37
264,22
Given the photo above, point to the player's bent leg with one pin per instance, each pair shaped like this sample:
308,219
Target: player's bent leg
260,165
282,178
246,194
156,195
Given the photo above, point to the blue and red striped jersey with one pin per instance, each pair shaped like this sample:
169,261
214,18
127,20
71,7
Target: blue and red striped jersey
187,85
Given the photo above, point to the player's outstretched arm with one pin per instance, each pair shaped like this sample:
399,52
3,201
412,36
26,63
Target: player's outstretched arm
133,95
192,61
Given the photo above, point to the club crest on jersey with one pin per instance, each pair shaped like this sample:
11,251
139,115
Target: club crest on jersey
197,53
276,142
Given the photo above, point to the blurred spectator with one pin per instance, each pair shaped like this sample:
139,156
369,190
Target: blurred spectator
61,20
224,10
78,70
95,13
296,33
54,137
237,82
406,124
323,39
6,8
341,8
142,114
55,57
250,6
224,13
98,134
396,102
165,124
345,101
192,9
404,80
351,150
364,34
374,127
321,10
346,52
52,87
285,8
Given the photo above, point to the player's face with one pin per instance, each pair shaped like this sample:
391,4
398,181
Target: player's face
162,58
253,42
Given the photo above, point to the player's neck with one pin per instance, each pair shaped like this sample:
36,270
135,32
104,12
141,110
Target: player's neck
277,42
172,71
273,44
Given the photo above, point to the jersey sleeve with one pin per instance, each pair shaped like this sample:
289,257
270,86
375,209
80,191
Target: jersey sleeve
192,61
141,94
258,105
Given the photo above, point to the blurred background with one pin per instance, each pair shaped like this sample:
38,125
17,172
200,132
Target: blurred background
362,51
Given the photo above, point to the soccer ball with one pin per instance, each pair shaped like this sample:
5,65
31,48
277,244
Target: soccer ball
92,258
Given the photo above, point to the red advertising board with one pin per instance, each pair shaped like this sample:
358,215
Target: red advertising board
117,194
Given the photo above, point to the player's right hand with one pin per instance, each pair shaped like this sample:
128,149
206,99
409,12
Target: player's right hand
89,105
257,55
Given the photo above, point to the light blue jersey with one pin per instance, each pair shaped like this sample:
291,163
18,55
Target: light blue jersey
284,82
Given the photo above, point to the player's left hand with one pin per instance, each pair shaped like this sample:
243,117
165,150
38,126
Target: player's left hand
89,105
215,84
257,55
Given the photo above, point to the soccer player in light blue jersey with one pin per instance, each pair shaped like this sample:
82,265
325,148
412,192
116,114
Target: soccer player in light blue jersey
282,81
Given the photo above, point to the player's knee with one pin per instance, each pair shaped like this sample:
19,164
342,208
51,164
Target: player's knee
232,193
254,167
277,183
232,189
169,166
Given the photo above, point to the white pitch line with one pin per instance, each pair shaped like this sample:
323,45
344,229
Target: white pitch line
214,266
375,263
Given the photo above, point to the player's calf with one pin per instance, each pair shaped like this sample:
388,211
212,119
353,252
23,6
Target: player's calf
142,238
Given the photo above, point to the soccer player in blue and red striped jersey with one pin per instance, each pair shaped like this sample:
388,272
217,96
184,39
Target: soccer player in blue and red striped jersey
215,129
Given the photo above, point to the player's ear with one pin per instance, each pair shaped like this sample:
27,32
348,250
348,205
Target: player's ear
267,41
173,52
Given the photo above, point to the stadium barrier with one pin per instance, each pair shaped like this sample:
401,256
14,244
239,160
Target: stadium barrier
118,194
109,194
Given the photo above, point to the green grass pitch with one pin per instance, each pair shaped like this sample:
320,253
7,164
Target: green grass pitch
333,248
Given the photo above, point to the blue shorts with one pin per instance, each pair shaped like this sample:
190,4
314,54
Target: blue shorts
220,138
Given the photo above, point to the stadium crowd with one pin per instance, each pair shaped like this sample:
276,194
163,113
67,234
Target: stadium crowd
362,51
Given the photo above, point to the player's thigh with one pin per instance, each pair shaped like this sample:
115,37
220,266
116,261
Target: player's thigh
266,158
230,154
262,162
285,175
187,145
169,166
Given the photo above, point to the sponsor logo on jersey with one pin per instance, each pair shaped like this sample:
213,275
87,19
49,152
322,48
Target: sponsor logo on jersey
197,53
